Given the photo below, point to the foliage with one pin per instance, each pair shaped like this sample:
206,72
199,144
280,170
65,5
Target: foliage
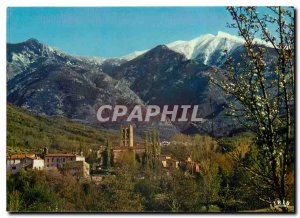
108,155
263,89
27,132
152,149
225,181
222,184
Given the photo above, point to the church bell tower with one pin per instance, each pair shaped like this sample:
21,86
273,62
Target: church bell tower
126,136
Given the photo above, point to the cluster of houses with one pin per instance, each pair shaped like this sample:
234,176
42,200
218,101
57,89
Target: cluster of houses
168,161
76,165
71,163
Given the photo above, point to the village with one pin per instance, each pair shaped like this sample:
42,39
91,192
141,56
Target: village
75,163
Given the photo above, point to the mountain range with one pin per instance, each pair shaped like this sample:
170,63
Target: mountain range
49,82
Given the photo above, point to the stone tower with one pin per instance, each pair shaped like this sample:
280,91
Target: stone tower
126,138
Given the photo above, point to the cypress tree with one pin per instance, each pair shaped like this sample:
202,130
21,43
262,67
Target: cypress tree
157,143
108,155
147,152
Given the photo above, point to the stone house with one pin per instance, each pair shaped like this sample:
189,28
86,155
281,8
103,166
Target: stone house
16,162
169,162
70,163
58,160
77,168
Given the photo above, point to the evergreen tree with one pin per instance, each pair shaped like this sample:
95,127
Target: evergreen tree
147,151
153,147
107,155
157,142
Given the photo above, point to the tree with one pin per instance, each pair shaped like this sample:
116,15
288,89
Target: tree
119,195
184,193
262,86
152,148
148,153
14,201
107,155
126,163
157,143
204,152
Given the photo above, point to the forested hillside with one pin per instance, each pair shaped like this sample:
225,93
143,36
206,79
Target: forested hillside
29,132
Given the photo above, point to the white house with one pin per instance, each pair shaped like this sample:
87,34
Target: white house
16,162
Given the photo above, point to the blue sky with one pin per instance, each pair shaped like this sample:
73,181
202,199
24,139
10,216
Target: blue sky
113,31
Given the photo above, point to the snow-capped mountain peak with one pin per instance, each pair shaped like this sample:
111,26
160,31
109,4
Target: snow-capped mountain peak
205,45
187,48
207,48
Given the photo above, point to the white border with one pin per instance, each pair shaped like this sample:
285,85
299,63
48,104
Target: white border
146,3
76,3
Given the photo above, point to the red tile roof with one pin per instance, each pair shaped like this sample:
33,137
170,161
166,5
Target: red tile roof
21,156
128,148
62,155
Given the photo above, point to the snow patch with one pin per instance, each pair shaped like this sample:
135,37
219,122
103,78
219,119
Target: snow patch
133,55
